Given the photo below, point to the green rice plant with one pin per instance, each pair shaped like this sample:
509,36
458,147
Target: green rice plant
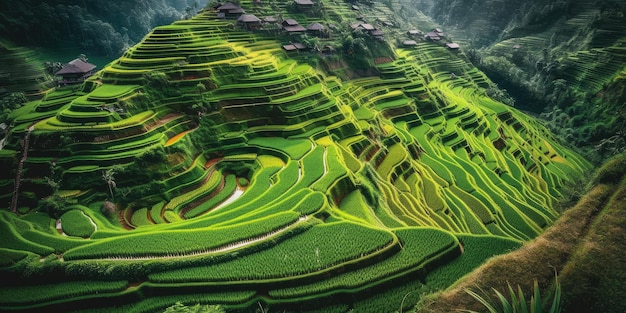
155,212
60,244
477,249
229,187
179,242
76,223
11,239
140,217
312,203
354,204
295,148
9,257
312,167
335,170
207,186
420,247
321,247
396,154
517,303
37,294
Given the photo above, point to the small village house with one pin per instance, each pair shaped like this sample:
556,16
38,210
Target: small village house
75,72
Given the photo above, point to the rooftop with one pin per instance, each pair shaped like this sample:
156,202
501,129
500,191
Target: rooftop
76,66
248,18
315,26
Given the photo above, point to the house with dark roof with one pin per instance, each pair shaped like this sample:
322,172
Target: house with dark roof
75,72
292,26
303,3
295,47
249,22
453,46
364,26
369,29
229,10
377,34
413,32
432,36
316,29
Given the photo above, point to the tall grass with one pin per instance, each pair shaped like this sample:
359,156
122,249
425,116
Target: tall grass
517,302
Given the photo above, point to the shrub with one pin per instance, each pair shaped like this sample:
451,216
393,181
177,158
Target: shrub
518,302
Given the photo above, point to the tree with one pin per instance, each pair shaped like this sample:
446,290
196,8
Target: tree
109,179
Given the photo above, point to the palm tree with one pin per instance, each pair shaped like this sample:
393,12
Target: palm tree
108,178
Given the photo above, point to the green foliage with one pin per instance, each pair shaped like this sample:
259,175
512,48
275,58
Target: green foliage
181,308
106,28
517,302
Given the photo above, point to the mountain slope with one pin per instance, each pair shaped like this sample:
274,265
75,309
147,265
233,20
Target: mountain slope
563,59
235,172
581,248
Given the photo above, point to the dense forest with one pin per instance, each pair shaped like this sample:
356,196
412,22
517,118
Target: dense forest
97,27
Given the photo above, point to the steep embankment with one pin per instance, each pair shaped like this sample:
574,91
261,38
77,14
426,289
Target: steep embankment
584,247
357,188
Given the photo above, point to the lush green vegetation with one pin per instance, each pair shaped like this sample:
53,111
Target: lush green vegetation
209,165
562,59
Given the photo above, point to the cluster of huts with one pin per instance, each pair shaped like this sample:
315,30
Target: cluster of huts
435,35
290,26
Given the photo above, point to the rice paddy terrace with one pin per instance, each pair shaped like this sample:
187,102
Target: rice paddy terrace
235,174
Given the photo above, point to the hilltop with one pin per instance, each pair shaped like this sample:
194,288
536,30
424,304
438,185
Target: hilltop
256,158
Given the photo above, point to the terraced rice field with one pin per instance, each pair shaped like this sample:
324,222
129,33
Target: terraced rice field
234,174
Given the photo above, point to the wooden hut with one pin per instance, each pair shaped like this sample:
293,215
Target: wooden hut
75,72
249,22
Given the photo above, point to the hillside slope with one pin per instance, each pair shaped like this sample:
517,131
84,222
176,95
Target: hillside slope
212,163
583,247
562,59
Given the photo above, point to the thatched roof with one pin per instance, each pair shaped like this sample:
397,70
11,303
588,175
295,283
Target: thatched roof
228,6
76,66
303,2
290,22
432,36
294,29
409,43
294,46
291,25
453,46
315,26
249,18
